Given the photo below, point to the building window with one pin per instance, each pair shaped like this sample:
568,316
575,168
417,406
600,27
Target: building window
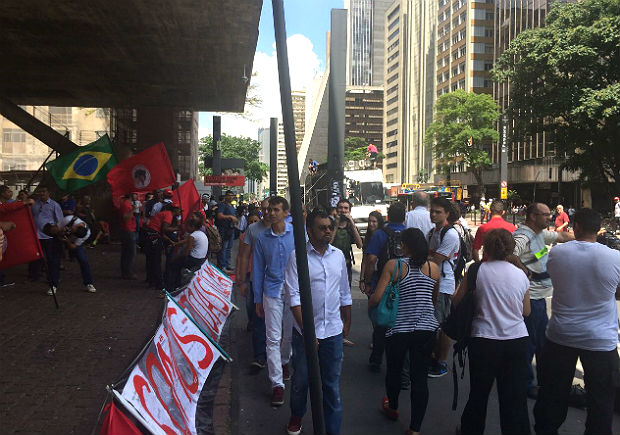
393,34
392,132
392,57
391,144
392,155
392,122
392,111
393,13
391,79
393,24
392,165
392,89
392,100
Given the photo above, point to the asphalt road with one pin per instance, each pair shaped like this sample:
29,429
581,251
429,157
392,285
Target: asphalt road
361,391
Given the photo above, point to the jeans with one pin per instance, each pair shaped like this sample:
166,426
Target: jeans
279,328
536,324
330,363
258,325
153,252
502,361
52,252
79,253
128,253
601,378
418,345
223,257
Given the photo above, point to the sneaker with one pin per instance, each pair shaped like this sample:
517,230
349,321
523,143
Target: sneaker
390,413
259,363
277,397
91,288
294,426
286,374
437,369
51,291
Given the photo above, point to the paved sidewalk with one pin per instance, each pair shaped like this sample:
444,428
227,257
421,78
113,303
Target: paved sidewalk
56,363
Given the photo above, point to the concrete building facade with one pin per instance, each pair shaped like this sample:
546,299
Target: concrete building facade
409,93
299,116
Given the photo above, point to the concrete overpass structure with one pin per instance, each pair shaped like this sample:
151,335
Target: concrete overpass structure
177,54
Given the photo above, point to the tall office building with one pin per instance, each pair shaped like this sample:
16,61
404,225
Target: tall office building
409,93
365,41
282,170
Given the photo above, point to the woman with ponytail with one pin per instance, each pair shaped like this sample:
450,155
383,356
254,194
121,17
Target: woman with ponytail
498,348
414,331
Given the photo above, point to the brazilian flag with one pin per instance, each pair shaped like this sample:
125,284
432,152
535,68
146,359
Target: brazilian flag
86,165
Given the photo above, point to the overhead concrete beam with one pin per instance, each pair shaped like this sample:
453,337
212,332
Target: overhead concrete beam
38,129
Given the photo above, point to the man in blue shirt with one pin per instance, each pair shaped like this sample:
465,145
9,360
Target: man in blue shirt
383,246
46,211
225,223
272,249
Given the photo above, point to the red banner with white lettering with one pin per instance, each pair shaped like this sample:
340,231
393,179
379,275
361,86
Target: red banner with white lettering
21,244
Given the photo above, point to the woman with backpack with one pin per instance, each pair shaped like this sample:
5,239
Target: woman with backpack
414,329
498,344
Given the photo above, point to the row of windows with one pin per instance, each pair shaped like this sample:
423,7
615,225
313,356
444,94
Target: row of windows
460,69
444,61
456,54
393,24
482,31
484,14
442,3
457,21
444,15
394,45
392,89
392,57
458,5
443,46
16,135
459,36
391,79
444,31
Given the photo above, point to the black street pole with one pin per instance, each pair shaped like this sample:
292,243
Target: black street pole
273,156
303,276
217,154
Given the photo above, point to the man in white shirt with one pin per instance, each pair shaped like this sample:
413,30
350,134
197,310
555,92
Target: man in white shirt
331,303
584,325
531,240
418,216
76,232
443,250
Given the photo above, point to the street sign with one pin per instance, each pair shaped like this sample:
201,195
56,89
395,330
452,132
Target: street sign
503,184
224,180
503,193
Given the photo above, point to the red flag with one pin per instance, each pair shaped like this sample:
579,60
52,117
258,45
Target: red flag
146,171
187,198
22,243
117,423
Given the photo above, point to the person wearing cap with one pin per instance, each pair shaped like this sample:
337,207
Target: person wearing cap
225,223
167,200
617,213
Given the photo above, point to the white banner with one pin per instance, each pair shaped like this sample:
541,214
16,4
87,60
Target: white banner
210,277
165,384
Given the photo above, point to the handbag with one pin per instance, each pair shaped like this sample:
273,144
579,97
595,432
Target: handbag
384,314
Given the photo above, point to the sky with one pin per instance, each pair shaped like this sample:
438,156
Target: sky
307,24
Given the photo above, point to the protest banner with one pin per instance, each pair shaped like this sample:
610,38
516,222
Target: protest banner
165,384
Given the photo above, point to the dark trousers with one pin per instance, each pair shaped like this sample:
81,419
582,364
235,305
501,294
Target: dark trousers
503,361
79,253
558,370
418,345
175,265
378,345
52,252
259,334
153,251
128,253
536,324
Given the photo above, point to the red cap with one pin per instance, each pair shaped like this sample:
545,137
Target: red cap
616,199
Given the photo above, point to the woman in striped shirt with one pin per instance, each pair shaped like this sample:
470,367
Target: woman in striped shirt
415,327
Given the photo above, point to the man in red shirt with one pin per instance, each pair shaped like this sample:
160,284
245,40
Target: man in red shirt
561,220
497,221
128,238
156,233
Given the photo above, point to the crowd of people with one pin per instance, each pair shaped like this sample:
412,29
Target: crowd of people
512,272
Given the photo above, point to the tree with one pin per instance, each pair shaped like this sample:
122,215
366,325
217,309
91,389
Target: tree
235,147
355,148
565,77
463,124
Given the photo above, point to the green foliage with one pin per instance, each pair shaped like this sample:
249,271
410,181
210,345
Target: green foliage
234,147
355,148
423,176
463,124
566,76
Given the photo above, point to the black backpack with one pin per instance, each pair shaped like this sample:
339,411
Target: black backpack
458,327
391,249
